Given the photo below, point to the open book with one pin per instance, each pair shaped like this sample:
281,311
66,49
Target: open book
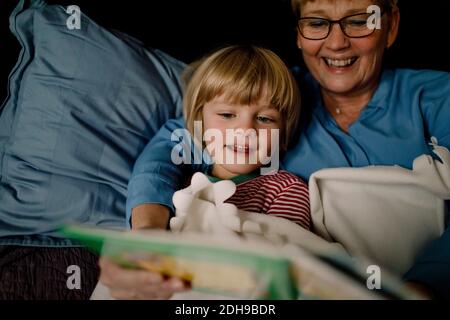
243,269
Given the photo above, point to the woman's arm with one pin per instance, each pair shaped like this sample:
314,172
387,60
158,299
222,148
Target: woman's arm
154,180
156,176
435,105
150,216
432,269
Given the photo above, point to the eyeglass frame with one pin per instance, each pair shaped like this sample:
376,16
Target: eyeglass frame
339,22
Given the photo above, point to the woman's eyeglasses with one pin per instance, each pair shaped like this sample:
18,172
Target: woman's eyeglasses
353,26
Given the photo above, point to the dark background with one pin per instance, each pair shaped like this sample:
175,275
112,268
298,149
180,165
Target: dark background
187,29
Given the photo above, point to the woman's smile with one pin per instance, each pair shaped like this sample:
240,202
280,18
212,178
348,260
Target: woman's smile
340,66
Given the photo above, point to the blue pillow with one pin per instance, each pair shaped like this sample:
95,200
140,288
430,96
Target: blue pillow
82,104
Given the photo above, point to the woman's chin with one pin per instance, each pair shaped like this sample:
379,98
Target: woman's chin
339,86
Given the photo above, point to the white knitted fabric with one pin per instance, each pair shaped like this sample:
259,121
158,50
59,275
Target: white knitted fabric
200,208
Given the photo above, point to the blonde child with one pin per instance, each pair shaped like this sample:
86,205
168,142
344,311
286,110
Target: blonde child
241,97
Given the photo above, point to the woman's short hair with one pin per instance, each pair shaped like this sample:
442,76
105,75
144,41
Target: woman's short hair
244,75
386,5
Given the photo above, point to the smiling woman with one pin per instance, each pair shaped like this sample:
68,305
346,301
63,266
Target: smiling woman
360,114
345,64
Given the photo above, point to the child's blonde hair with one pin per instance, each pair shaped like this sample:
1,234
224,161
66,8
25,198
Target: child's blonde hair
244,74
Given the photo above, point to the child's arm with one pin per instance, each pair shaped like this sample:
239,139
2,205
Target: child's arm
292,203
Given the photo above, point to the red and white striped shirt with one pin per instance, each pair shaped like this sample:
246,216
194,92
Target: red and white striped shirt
281,194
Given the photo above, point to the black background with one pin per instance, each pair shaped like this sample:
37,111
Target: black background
187,29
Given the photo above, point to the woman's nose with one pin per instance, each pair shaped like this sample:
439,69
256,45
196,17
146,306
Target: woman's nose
337,40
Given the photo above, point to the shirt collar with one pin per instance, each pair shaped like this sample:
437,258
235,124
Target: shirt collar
379,99
238,179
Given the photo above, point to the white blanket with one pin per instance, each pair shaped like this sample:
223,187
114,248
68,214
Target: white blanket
387,214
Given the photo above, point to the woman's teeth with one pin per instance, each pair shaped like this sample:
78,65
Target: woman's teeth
339,63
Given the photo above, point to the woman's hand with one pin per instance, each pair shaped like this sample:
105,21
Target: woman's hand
130,284
140,284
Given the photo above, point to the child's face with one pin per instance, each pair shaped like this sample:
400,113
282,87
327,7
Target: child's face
249,133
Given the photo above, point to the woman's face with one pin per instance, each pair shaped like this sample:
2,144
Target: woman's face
343,65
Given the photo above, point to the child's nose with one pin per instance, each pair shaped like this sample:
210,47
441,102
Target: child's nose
246,124
246,132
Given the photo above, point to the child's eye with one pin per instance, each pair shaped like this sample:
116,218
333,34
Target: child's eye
264,119
226,115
